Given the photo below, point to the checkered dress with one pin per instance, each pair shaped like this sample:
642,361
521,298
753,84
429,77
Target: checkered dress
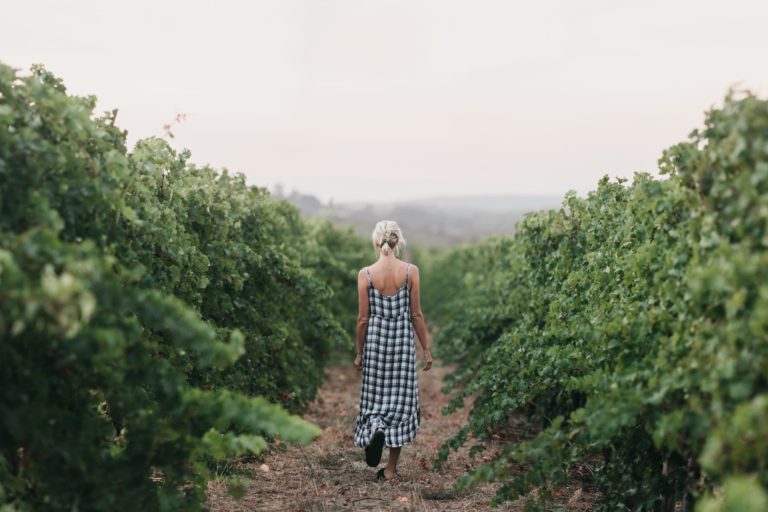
389,396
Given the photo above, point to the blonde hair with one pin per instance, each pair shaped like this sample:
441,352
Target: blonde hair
387,237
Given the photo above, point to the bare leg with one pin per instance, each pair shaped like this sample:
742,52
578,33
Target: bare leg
394,454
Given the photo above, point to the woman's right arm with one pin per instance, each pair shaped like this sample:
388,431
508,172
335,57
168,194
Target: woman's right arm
362,317
417,317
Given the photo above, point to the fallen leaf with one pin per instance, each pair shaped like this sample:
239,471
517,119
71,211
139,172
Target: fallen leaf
402,499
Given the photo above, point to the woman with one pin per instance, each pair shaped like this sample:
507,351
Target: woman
389,313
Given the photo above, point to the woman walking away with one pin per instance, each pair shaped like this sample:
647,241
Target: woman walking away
388,315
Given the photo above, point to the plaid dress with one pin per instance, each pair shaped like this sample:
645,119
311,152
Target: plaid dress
389,395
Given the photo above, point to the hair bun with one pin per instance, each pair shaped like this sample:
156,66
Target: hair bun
387,237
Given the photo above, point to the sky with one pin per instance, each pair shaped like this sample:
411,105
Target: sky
363,100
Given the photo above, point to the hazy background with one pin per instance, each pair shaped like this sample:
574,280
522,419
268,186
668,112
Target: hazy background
377,101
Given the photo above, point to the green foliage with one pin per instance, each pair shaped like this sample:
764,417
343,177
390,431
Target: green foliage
630,328
336,256
740,494
143,299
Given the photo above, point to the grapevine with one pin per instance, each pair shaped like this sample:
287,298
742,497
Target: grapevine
153,312
629,329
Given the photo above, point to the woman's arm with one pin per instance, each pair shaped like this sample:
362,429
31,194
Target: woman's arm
417,317
362,317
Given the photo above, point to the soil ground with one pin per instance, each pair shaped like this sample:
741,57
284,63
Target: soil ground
331,474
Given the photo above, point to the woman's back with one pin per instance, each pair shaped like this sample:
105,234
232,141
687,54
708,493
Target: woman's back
387,277
395,305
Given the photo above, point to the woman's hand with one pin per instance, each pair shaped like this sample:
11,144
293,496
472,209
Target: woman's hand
359,362
427,360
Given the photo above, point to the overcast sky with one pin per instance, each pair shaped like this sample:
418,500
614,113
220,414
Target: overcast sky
382,100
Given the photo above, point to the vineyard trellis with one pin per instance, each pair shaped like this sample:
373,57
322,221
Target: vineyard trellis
629,328
152,311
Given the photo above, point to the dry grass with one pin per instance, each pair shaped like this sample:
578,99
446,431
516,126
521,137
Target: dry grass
330,474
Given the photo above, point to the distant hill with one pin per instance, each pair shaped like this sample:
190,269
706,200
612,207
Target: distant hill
495,204
434,221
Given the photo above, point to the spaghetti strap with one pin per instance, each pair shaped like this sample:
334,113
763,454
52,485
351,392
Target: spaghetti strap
369,276
407,273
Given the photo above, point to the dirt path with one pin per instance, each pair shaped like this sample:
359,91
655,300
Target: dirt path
330,474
